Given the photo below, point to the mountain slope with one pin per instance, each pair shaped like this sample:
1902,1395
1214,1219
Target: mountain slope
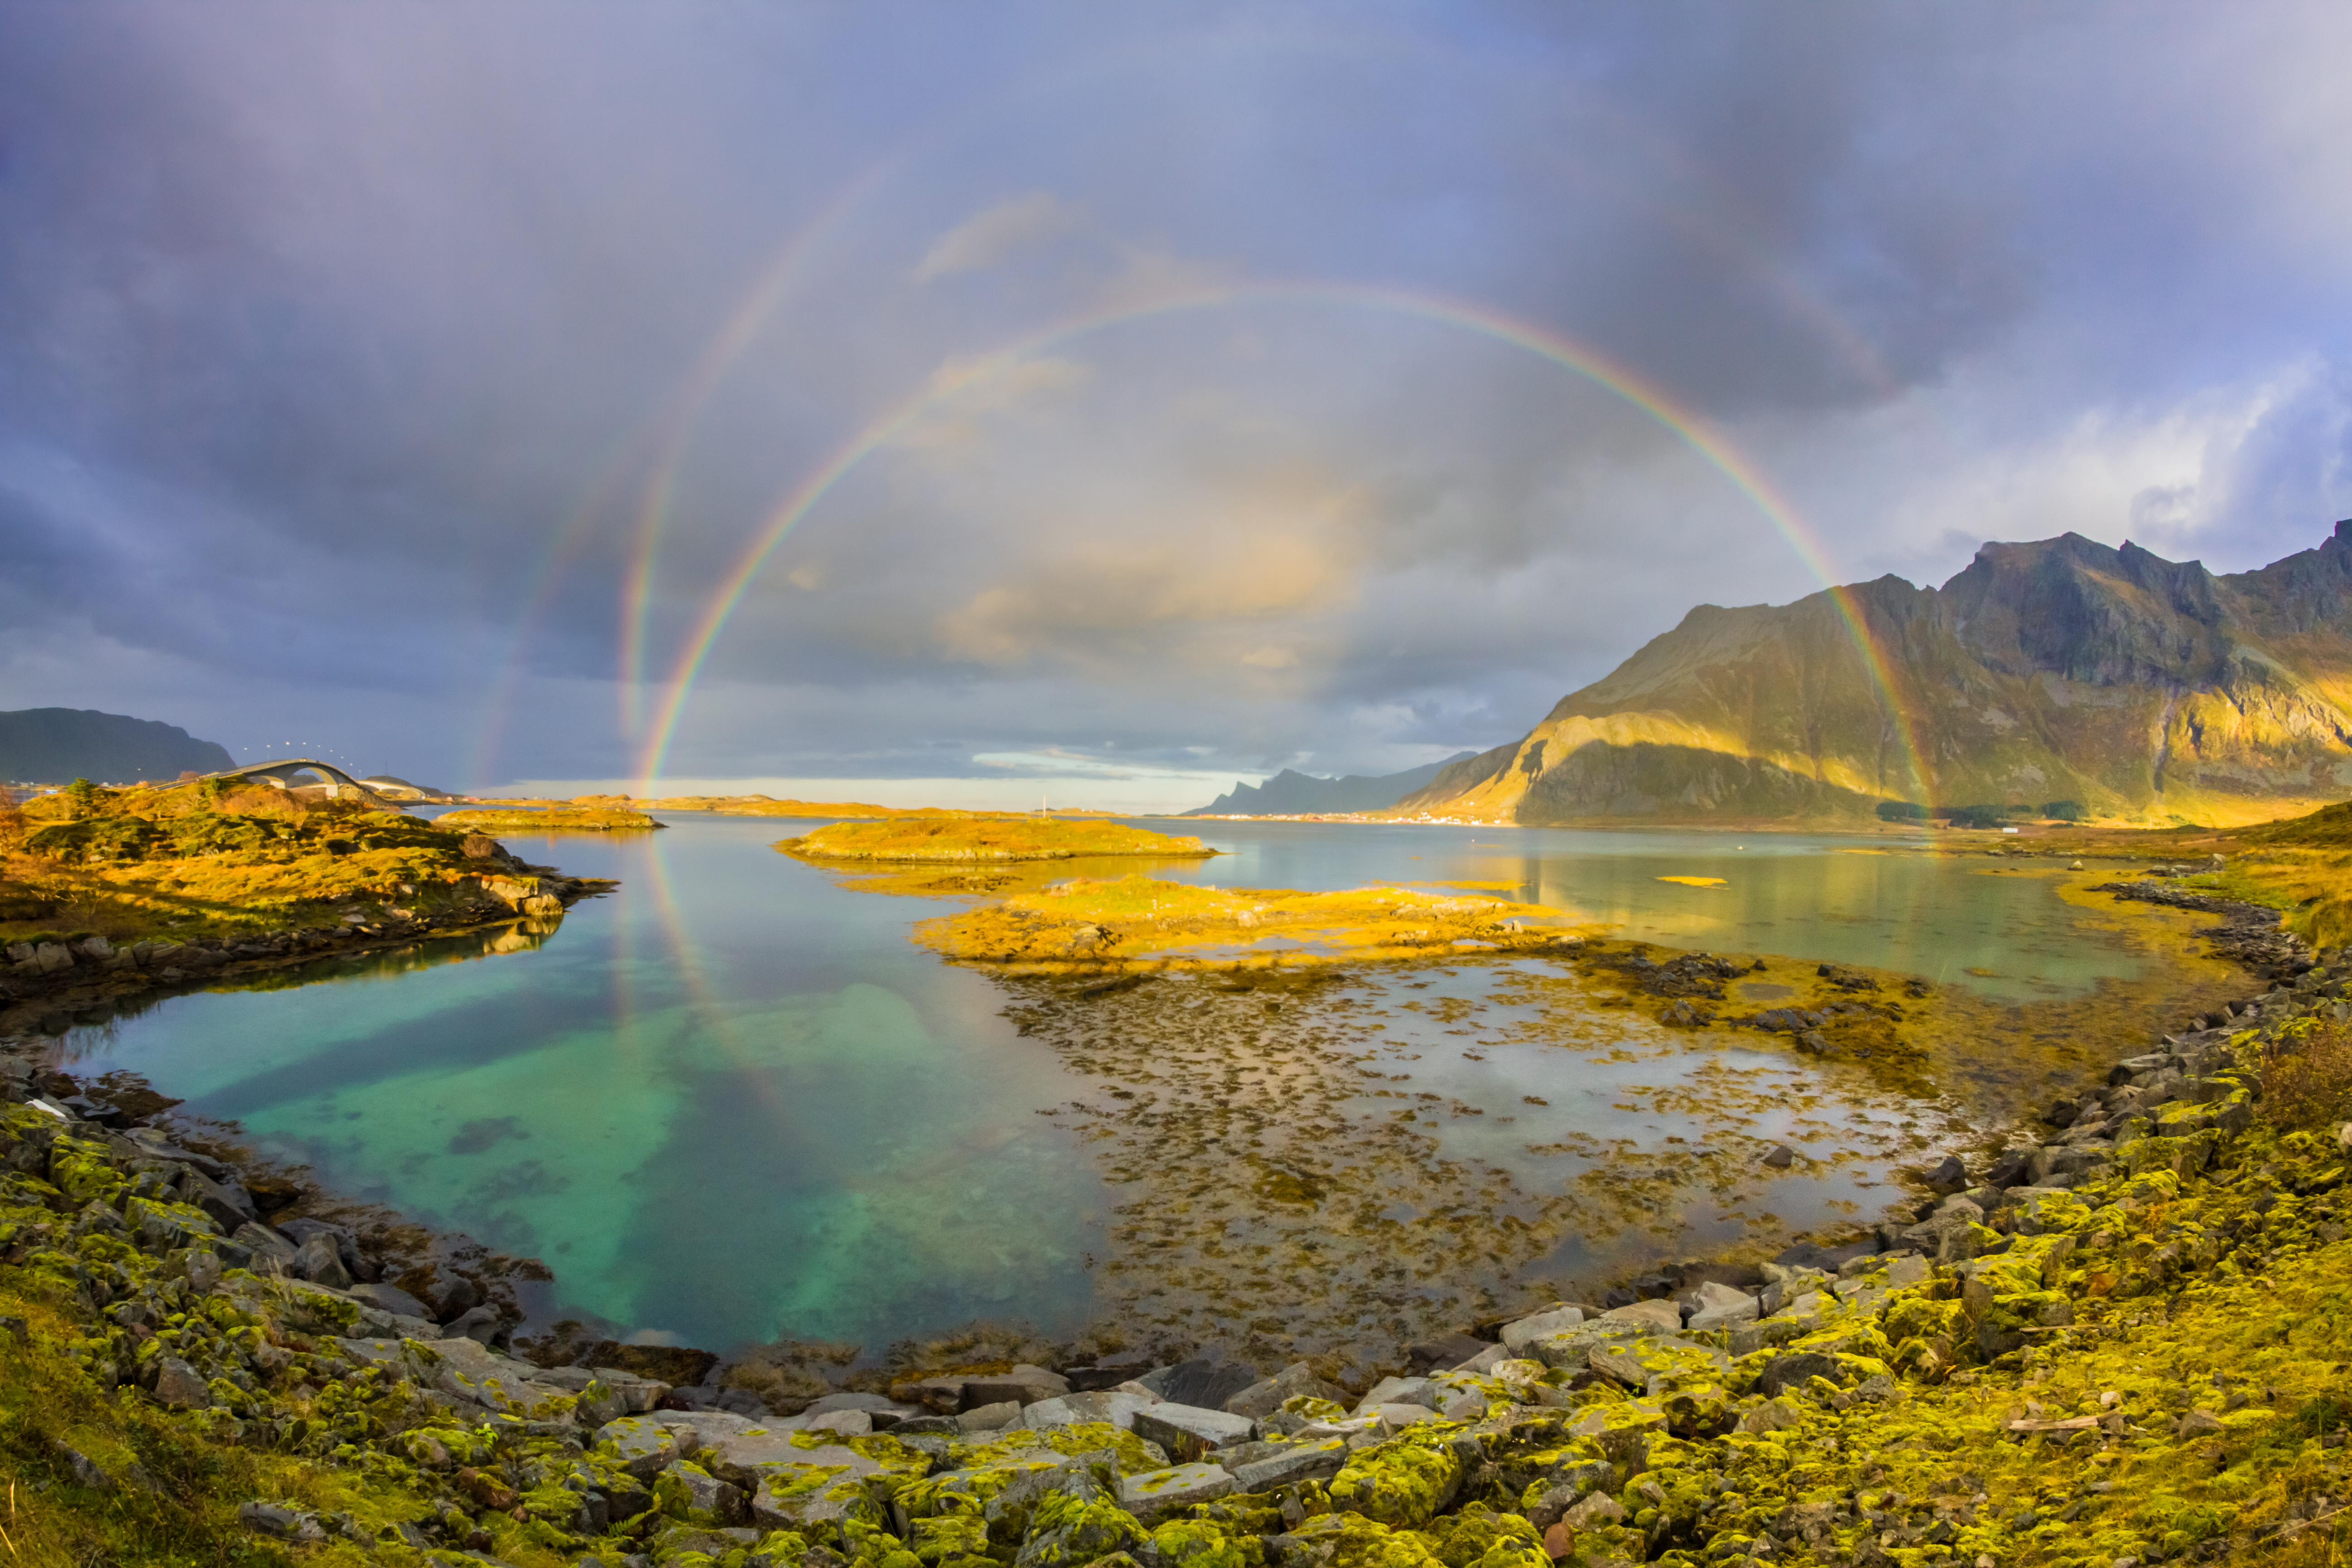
58,745
1289,793
2148,689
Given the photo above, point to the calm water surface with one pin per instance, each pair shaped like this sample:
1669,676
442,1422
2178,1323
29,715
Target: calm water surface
732,1100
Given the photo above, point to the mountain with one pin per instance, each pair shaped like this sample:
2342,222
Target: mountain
59,745
2148,690
1289,793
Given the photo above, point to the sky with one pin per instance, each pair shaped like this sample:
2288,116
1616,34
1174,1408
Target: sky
1100,404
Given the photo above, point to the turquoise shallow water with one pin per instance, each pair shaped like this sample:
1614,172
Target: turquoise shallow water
733,1100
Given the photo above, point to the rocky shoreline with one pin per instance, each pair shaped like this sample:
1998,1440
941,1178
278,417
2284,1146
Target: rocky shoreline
48,978
1890,1398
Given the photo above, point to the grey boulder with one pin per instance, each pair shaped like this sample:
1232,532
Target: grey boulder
1187,1431
1069,1409
1260,1400
1153,1497
1517,1336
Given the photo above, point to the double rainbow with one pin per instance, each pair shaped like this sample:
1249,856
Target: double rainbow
711,623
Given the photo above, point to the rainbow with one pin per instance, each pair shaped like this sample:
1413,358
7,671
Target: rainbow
1686,423
703,380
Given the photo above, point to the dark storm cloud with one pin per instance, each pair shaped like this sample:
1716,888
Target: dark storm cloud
340,349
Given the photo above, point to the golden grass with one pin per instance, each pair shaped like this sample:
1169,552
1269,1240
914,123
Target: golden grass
555,819
989,838
1143,919
192,860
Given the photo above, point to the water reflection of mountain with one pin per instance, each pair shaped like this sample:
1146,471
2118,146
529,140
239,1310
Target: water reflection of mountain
89,1028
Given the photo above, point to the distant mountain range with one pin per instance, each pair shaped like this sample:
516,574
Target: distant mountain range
2148,690
1289,793
59,745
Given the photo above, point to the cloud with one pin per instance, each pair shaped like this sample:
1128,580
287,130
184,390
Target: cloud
967,394
988,237
388,377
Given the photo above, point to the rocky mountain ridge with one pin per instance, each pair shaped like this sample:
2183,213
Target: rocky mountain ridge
1293,794
2150,690
58,745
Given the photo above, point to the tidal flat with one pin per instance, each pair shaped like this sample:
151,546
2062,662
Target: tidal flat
1336,1159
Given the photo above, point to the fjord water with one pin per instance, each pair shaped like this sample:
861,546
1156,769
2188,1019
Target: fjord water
733,1100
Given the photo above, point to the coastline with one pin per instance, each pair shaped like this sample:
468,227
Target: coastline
2249,938
50,979
1649,1409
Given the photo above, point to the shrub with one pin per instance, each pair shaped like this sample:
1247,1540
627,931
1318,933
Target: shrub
1901,811
2307,1078
2064,810
1977,816
83,799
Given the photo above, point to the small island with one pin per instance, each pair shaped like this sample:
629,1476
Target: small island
549,820
1140,918
986,838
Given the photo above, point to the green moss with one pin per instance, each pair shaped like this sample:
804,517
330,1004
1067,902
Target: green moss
1200,1543
1479,1537
1067,1530
1350,1540
1404,1483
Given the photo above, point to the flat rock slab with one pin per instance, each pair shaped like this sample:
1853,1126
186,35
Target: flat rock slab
1723,1307
1260,1400
786,1500
1622,1431
392,1355
1187,1431
1070,1409
1154,1497
1570,1351
1024,1385
1661,1316
390,1299
1911,1270
1517,1336
1203,1381
468,1370
645,1446
744,1456
1395,1418
1749,1338
883,1410
1411,1391
1635,1363
1303,1462
708,1426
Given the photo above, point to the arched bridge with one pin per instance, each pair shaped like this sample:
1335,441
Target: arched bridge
301,773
